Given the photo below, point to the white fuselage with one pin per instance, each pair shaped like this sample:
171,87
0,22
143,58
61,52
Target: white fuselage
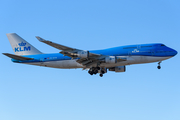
70,64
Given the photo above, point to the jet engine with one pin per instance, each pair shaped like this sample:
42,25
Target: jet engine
83,54
118,69
111,59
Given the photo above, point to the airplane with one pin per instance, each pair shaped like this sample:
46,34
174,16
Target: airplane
95,61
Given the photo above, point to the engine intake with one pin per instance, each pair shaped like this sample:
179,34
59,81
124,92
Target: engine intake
118,69
111,59
83,54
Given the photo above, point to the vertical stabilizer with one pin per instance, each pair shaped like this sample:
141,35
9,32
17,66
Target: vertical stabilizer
20,46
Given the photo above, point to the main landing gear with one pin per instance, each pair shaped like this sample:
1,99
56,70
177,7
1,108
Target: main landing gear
101,75
95,70
159,66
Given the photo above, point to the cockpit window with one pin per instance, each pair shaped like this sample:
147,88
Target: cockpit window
162,45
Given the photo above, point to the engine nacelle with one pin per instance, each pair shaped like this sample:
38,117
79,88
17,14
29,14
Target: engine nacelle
111,59
83,54
118,69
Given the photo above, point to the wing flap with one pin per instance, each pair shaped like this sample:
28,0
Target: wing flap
120,59
17,57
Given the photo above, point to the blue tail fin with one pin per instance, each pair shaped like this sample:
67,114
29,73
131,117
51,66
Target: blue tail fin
20,46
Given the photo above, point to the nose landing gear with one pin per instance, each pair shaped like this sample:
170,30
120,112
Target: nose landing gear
159,66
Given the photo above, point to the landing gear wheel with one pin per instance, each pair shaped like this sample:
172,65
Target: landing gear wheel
90,72
101,75
159,67
96,71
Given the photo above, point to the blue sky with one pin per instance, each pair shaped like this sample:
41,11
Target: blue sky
141,93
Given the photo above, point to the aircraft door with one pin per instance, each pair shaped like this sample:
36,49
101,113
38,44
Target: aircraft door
153,52
41,61
130,53
139,47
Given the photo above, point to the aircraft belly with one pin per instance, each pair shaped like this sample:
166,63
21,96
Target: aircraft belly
65,64
70,64
136,60
144,59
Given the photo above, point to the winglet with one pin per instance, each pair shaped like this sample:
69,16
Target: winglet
40,39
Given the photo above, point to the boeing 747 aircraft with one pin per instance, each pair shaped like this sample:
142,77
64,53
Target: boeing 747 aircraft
96,61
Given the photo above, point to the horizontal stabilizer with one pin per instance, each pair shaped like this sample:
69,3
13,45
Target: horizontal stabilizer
17,57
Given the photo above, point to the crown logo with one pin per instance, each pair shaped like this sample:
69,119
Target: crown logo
22,44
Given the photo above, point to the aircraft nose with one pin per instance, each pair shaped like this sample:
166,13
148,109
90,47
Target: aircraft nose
171,52
175,52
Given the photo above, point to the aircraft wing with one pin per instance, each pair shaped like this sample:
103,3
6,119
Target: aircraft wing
84,60
71,52
17,57
67,51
